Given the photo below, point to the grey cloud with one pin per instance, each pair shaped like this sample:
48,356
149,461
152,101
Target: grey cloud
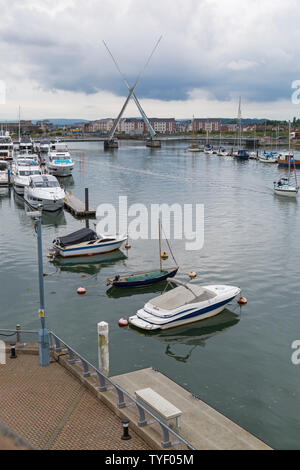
212,46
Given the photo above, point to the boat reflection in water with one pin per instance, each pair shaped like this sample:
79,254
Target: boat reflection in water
88,264
192,335
116,293
54,219
66,182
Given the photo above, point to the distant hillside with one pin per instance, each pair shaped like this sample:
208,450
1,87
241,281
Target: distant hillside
61,122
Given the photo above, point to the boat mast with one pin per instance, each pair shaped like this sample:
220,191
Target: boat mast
159,236
19,123
240,123
289,150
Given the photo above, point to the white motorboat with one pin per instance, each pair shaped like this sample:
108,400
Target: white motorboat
253,155
22,169
44,146
268,157
86,242
186,303
4,176
6,146
60,162
194,148
44,190
222,152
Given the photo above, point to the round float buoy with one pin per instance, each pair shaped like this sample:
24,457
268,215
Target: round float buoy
83,275
242,301
164,255
81,290
123,322
192,274
49,255
127,246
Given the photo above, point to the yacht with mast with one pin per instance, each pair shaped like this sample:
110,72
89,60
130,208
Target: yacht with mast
284,187
241,153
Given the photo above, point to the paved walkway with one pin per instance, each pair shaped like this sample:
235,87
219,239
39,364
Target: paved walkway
51,409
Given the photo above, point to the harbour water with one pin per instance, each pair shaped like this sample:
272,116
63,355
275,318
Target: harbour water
240,361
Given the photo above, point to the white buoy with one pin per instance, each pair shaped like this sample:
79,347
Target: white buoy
103,348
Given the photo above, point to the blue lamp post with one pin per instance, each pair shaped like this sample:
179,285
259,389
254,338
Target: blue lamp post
44,351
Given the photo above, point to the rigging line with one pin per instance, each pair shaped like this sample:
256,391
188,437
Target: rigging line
169,246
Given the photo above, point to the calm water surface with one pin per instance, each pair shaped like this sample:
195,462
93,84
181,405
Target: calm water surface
239,361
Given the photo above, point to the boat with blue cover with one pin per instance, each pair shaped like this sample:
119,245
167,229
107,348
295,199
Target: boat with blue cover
86,242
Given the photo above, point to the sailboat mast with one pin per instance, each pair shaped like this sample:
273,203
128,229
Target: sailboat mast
19,124
289,150
159,235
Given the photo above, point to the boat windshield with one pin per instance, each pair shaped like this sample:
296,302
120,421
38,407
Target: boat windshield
46,184
29,172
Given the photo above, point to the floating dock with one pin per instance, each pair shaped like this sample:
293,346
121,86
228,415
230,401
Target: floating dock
77,207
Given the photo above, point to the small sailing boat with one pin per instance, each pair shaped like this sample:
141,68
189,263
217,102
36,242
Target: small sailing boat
148,277
241,153
283,187
268,157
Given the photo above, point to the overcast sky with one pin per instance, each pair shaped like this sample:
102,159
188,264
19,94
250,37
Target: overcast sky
55,65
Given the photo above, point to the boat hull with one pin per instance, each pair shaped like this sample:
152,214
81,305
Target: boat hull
144,282
88,250
49,205
286,192
61,170
202,314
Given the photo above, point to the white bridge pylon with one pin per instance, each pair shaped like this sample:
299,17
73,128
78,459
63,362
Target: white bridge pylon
132,94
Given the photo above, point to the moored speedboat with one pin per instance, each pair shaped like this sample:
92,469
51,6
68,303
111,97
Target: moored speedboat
60,162
4,176
86,242
268,157
44,190
22,169
242,154
194,148
186,303
223,152
6,146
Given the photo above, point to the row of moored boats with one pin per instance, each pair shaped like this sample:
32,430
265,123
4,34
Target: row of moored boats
33,170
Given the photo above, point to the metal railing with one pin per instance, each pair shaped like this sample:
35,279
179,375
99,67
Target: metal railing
122,399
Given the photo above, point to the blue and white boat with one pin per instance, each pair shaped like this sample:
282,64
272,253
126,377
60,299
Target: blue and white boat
186,303
60,162
242,154
86,242
268,157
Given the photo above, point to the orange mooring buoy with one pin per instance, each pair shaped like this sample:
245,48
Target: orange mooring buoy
192,274
123,322
164,255
242,301
49,255
81,290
